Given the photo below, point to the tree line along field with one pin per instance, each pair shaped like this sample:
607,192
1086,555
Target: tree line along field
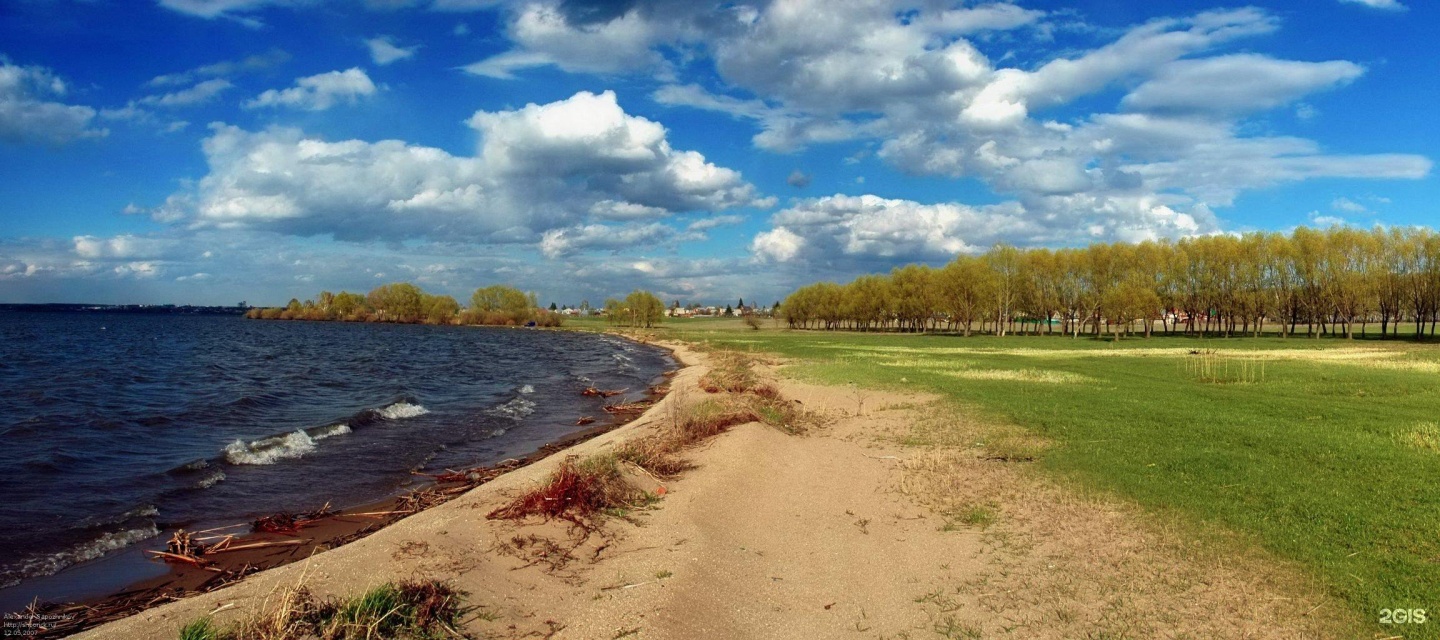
1325,456
406,303
1338,281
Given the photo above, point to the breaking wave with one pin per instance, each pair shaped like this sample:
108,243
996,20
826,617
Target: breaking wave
210,480
516,409
401,410
276,448
53,563
527,389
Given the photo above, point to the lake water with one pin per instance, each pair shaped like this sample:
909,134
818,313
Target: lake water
116,428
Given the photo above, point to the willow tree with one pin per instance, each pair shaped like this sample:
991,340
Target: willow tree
915,297
964,288
438,309
866,301
1004,263
396,302
644,309
499,303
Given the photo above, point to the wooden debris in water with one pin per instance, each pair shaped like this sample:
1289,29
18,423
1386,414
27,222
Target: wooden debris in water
597,393
290,523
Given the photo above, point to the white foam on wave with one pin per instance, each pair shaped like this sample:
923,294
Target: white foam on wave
332,430
276,448
516,409
53,563
527,389
210,480
269,450
401,410
147,511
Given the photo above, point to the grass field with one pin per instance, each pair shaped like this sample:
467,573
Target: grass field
1325,453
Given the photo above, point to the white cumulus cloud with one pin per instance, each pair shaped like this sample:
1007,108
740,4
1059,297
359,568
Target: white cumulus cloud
319,92
31,110
868,230
565,166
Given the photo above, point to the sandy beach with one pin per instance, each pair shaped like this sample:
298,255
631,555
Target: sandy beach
849,530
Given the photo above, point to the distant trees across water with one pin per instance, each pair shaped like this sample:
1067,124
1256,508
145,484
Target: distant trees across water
1336,281
402,302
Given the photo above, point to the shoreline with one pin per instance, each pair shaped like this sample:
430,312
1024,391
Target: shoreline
328,530
880,516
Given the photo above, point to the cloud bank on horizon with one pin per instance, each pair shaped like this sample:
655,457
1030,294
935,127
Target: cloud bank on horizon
705,150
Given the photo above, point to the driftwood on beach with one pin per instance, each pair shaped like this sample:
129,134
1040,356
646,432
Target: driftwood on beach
630,407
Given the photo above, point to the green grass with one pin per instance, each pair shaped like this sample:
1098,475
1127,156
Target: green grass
978,516
1331,464
405,611
202,629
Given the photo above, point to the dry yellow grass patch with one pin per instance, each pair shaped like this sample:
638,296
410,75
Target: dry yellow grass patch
1021,375
919,363
1307,354
1424,436
942,357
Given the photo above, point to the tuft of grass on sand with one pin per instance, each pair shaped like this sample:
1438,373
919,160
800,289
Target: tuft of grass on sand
977,516
730,371
421,610
201,629
577,490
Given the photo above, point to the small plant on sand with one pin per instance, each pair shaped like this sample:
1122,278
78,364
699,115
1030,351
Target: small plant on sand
730,371
202,629
426,610
689,424
970,515
952,628
576,491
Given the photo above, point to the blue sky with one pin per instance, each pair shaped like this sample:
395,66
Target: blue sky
211,151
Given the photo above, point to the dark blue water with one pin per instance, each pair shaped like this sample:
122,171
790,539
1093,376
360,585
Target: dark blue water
115,428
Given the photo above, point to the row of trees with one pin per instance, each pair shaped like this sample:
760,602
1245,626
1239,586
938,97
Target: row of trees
1334,281
403,302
